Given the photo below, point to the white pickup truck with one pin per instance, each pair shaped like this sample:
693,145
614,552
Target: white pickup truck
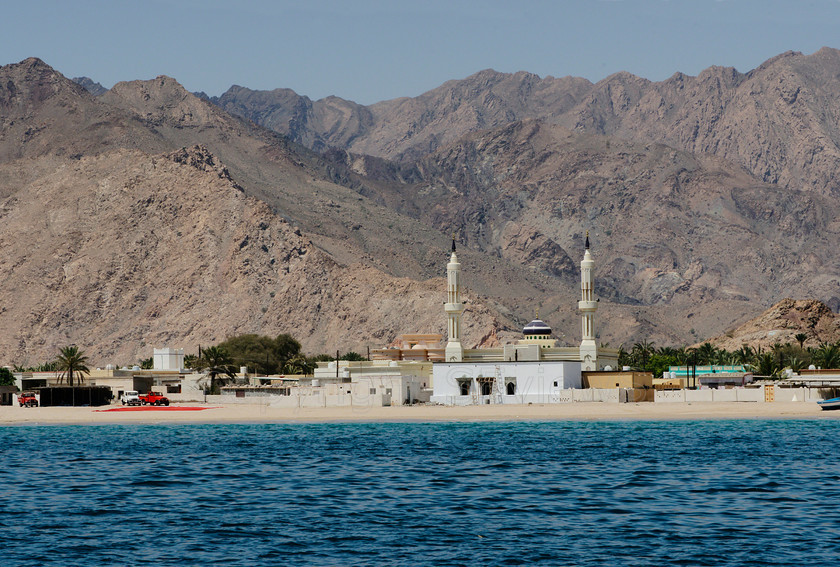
130,398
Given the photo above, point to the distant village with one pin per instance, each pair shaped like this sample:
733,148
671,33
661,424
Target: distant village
422,369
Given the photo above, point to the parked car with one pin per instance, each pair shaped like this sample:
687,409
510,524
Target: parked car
130,398
28,399
154,399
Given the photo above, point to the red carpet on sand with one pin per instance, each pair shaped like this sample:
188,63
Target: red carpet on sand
158,408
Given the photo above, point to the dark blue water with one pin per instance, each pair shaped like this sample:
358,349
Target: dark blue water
567,493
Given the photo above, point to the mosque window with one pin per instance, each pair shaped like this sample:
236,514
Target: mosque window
465,388
485,388
511,388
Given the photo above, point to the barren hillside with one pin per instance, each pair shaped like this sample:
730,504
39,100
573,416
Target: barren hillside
147,216
780,121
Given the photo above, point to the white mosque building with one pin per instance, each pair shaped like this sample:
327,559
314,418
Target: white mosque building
533,370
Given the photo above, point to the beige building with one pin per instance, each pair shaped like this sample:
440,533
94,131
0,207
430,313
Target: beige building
641,383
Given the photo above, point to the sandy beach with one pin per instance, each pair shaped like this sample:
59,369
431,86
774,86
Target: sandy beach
242,413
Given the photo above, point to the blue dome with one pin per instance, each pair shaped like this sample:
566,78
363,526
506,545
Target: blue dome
536,327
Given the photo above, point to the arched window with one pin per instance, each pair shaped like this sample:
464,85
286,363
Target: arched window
465,388
511,388
485,388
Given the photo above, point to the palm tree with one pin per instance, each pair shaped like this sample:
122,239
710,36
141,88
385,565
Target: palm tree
706,353
796,364
827,355
800,338
215,361
72,361
767,365
642,352
190,361
745,355
298,364
623,356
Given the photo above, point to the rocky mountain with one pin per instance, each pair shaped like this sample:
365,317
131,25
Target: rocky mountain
118,235
674,232
149,216
408,128
781,323
90,85
779,121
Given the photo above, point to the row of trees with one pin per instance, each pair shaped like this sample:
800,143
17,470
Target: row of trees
260,354
764,362
71,364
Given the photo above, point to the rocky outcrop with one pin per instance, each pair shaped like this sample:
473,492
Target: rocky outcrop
781,323
90,85
125,252
159,100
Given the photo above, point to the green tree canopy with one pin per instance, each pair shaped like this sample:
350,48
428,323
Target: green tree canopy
6,377
216,362
72,362
262,353
352,356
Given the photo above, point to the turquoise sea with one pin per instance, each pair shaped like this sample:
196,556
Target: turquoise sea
559,493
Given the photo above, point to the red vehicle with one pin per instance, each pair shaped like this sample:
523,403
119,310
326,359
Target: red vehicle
28,399
154,399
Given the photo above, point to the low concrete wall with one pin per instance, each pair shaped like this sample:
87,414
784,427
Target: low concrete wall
792,394
665,396
565,396
750,394
725,395
738,395
321,400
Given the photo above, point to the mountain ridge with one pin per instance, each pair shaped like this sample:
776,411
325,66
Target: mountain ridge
360,242
789,100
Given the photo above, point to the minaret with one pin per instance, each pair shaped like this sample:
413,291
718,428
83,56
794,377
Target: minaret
454,308
587,307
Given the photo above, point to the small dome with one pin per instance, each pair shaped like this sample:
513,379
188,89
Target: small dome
536,327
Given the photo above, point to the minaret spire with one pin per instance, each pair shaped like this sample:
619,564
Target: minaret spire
587,307
454,308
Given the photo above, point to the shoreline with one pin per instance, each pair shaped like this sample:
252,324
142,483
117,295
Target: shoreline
257,413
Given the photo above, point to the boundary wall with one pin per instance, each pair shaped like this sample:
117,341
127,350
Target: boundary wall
739,395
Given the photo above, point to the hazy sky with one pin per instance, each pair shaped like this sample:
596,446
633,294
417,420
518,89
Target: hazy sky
370,50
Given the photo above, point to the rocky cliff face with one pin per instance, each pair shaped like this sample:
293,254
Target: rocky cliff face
123,251
90,85
781,323
780,121
118,247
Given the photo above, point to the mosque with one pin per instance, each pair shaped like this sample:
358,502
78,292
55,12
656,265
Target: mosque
418,369
533,370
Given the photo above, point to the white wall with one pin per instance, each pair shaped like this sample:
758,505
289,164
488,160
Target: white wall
737,395
536,382
168,358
